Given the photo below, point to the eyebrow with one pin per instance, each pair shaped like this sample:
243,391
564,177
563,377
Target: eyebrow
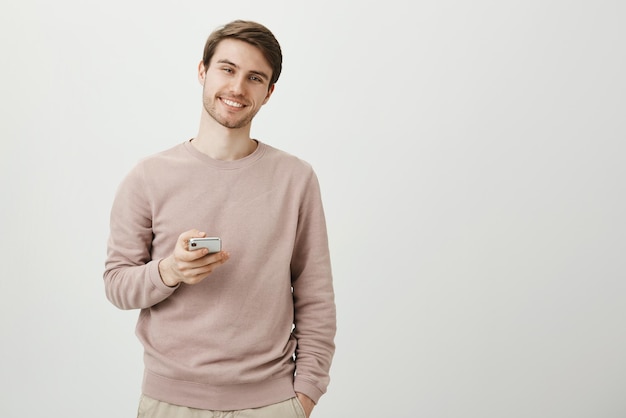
260,73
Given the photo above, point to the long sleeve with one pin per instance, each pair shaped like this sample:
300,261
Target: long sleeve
314,305
131,277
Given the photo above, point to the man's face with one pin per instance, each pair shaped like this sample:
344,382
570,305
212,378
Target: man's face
235,84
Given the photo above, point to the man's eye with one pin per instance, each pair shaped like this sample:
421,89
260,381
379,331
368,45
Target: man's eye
256,79
228,70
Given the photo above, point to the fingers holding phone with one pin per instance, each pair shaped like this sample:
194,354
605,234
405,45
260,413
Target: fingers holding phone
193,259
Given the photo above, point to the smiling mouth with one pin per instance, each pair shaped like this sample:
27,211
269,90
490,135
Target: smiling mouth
232,103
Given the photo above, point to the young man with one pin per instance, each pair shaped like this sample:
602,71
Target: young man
250,328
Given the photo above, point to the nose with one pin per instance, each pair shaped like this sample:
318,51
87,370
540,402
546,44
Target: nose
237,84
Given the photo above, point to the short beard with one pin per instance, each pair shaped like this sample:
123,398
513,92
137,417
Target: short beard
211,110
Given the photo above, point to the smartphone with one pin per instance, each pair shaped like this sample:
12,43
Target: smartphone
214,244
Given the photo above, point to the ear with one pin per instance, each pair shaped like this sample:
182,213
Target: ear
201,73
269,93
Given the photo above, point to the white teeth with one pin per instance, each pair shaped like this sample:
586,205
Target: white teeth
231,103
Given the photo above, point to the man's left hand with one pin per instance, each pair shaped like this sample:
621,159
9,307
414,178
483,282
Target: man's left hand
307,403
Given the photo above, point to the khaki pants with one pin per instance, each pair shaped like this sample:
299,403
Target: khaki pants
151,408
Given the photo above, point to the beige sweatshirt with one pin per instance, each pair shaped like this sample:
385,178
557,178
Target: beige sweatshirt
230,341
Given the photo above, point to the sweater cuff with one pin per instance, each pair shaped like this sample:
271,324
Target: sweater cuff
308,389
155,278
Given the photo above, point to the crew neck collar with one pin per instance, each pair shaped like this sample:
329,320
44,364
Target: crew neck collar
227,165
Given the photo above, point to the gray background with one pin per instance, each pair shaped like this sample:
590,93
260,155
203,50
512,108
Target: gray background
471,157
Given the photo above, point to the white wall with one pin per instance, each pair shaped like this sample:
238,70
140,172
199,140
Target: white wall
471,156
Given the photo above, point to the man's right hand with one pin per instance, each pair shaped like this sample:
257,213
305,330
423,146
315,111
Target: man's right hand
191,267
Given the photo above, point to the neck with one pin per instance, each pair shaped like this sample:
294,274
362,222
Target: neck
221,143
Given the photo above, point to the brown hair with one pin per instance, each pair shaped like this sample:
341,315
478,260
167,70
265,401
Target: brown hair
253,33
